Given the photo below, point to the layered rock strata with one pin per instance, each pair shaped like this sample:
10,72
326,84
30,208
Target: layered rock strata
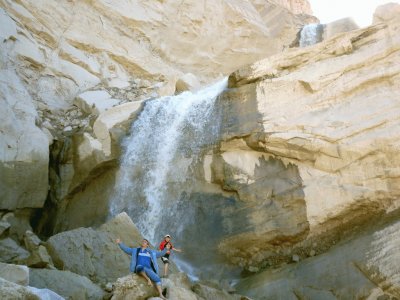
310,143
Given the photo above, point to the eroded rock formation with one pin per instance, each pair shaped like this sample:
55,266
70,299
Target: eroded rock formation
329,115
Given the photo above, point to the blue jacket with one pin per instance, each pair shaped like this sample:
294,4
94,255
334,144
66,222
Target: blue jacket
133,252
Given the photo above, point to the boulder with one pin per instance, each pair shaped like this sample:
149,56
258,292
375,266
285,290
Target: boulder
11,252
113,124
11,290
95,102
94,253
88,253
133,287
15,273
178,286
386,13
45,293
39,257
187,82
19,221
65,284
31,240
121,226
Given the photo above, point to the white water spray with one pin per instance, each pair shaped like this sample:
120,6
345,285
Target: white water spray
165,139
311,34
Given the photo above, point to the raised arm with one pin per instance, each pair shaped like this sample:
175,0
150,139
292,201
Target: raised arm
123,247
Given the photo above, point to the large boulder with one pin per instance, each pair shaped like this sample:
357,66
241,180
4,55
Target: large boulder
66,284
94,253
187,82
321,136
133,287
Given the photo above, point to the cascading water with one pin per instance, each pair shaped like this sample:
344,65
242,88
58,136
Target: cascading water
165,141
311,34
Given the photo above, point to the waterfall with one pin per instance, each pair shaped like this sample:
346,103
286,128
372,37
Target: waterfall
311,34
164,142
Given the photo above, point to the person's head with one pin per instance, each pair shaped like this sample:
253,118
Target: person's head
167,237
145,243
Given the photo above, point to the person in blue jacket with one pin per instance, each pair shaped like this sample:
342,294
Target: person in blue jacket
144,262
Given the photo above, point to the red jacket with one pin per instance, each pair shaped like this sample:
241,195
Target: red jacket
163,244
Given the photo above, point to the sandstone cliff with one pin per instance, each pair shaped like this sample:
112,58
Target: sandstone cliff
126,50
310,146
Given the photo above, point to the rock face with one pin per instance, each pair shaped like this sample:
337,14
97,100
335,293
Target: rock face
313,150
363,268
57,79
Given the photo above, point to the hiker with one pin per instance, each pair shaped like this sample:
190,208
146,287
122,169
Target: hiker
165,257
144,262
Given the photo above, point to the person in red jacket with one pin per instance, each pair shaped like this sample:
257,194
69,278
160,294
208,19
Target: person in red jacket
165,258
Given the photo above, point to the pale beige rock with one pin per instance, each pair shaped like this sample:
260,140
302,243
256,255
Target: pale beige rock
15,273
23,147
65,283
386,13
295,6
132,286
95,102
332,120
187,82
48,58
10,290
39,257
121,226
19,223
339,26
111,125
